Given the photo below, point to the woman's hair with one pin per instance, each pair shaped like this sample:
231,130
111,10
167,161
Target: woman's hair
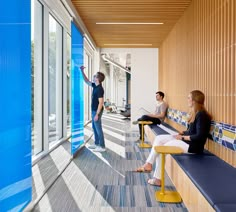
100,76
199,98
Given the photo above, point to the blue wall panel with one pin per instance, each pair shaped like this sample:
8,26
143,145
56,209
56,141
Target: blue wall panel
77,90
15,106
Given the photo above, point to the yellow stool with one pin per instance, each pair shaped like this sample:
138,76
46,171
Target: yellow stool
142,144
163,195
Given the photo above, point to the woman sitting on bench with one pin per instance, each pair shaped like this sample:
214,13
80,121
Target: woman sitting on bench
191,141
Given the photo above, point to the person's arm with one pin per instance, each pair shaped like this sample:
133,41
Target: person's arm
202,128
182,137
87,81
186,137
162,114
159,116
100,105
202,123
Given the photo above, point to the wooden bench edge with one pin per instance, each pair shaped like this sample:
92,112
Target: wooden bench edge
191,196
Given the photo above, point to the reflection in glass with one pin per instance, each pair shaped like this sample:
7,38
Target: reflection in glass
68,77
87,71
36,74
54,80
77,91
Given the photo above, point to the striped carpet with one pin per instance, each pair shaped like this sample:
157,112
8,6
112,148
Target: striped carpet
106,181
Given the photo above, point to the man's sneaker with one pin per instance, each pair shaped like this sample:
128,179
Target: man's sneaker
135,122
93,146
99,149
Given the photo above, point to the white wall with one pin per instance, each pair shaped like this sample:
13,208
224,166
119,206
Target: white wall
144,80
144,77
121,92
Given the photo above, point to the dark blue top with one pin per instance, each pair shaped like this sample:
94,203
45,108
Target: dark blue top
198,131
98,92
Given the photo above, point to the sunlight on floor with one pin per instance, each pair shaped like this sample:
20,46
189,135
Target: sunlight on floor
113,134
85,188
100,156
38,184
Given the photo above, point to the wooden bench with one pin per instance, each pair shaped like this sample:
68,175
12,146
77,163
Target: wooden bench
205,182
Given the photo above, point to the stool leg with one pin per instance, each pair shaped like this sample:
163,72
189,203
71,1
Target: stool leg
163,173
142,140
162,195
142,144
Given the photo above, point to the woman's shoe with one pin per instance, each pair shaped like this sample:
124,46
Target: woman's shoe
154,182
143,169
147,167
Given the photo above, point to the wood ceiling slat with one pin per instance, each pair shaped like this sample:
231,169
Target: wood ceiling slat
166,11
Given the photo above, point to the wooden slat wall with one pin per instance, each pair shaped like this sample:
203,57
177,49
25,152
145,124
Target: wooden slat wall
199,53
222,152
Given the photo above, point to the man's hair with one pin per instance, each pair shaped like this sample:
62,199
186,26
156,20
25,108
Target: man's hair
161,94
100,76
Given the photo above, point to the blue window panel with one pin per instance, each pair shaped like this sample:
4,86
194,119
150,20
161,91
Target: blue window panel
15,106
15,11
77,90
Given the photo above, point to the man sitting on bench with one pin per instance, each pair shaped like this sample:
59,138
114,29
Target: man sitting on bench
158,116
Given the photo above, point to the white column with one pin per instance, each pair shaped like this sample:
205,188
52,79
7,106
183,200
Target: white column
112,76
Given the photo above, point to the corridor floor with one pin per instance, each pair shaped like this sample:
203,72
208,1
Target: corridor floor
100,181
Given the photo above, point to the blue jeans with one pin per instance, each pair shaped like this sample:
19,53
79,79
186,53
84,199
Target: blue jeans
97,129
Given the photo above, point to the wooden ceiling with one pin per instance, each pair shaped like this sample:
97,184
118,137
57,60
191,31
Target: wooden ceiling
167,12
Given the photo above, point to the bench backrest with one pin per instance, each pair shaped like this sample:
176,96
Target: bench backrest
222,137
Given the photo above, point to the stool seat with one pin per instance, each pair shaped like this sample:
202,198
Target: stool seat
168,149
163,195
142,144
145,122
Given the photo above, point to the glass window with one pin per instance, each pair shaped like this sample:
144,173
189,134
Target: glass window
68,77
87,89
36,74
55,80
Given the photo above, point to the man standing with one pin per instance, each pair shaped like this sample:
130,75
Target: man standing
158,116
97,109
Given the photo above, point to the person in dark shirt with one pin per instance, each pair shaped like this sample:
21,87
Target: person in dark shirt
97,109
191,141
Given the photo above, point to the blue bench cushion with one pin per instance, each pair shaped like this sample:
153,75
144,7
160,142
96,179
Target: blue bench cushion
159,131
225,207
212,176
168,126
